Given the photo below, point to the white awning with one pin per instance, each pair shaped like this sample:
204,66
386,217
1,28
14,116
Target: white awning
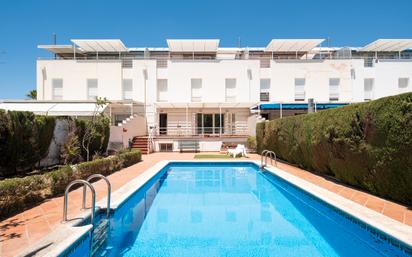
100,45
193,45
168,105
53,109
60,49
293,45
388,45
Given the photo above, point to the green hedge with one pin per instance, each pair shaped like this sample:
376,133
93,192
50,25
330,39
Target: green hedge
368,145
18,194
24,140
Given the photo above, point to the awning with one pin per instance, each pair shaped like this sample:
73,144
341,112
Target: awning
293,45
168,105
100,45
193,45
388,45
296,106
53,108
60,49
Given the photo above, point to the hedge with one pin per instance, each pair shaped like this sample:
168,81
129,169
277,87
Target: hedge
18,194
24,140
367,145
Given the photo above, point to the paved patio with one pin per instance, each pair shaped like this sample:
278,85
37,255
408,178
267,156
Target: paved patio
24,229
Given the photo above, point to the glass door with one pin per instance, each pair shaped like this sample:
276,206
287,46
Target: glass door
208,123
163,123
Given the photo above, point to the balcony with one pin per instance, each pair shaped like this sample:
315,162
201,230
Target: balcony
238,130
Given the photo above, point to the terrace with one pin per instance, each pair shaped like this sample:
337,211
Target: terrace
278,50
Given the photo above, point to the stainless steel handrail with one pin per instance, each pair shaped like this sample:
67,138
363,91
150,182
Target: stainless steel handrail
272,156
109,191
264,154
66,193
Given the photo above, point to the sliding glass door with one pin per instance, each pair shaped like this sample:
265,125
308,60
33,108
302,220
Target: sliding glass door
209,123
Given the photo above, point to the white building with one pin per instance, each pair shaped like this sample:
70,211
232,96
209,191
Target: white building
204,94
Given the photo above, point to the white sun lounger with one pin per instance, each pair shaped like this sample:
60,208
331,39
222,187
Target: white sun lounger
239,150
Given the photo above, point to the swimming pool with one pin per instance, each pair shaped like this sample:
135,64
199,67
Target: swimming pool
232,209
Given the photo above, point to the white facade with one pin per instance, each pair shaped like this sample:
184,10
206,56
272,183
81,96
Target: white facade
224,75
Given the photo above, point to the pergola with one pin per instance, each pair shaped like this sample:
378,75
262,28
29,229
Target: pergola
292,45
193,45
387,45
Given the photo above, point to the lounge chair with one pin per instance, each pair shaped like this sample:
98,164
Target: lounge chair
239,150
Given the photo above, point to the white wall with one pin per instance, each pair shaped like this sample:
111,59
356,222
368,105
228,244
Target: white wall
75,75
213,74
134,126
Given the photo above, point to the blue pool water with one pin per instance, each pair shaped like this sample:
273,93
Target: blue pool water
232,209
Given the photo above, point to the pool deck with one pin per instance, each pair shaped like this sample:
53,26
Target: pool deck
24,229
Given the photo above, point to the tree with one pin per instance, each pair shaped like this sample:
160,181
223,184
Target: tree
91,127
32,94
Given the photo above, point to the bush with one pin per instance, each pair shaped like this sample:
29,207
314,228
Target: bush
59,179
24,140
367,145
130,158
251,143
17,194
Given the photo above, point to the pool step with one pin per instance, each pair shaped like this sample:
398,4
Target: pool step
100,235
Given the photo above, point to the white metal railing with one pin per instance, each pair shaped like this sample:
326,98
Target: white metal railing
150,141
235,130
162,61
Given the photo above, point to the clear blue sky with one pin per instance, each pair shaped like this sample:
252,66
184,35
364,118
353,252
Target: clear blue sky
26,24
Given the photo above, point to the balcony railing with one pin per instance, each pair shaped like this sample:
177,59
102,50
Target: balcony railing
265,61
182,131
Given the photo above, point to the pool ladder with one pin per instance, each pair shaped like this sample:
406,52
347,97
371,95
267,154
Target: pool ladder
100,231
263,158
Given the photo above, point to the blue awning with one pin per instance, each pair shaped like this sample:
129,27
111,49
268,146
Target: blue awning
296,106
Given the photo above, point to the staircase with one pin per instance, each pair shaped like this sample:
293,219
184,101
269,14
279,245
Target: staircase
141,143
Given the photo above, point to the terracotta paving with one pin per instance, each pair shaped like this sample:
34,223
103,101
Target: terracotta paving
24,229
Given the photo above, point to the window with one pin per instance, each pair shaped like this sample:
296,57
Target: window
264,90
230,90
300,89
334,89
91,89
196,89
368,89
166,147
57,85
403,84
127,89
162,90
127,63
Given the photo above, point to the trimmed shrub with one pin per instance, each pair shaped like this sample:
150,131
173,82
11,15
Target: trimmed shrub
59,179
251,143
368,145
131,157
24,140
18,194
